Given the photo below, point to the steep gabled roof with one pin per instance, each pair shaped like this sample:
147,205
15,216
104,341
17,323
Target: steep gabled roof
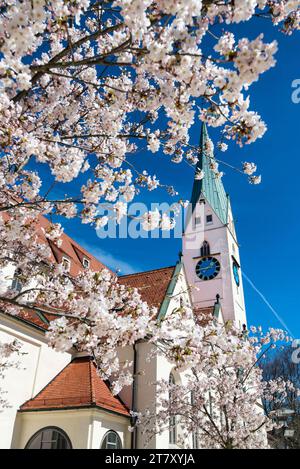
77,385
69,249
152,284
210,187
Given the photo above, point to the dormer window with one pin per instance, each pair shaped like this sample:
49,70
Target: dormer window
209,219
86,263
66,263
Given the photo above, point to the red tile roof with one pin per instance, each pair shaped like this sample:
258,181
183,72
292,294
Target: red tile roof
152,285
32,318
77,385
69,249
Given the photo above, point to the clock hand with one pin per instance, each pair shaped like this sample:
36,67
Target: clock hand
208,267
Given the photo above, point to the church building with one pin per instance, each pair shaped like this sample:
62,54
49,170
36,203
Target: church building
57,400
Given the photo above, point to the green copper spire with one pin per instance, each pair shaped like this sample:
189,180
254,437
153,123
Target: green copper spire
210,187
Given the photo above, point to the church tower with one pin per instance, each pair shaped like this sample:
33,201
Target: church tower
210,248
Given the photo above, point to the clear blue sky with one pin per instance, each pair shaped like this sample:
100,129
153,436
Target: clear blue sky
267,216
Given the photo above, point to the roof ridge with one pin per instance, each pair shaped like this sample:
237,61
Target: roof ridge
64,253
80,249
99,395
74,245
107,383
147,271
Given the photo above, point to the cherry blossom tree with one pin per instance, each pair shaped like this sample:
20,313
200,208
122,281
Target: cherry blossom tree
86,86
283,364
218,402
91,311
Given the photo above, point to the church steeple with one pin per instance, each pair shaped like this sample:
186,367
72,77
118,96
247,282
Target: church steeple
210,250
210,186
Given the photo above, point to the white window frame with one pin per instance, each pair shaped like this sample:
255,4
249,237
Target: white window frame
117,444
16,284
67,260
87,262
42,438
212,220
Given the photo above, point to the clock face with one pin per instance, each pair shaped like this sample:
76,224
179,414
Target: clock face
236,274
208,268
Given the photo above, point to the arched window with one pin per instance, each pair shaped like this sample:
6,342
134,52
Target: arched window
111,440
172,419
49,438
205,249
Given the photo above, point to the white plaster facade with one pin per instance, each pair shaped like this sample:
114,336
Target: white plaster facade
38,365
151,371
85,428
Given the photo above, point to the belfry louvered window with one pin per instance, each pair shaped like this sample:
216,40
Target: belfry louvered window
205,249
